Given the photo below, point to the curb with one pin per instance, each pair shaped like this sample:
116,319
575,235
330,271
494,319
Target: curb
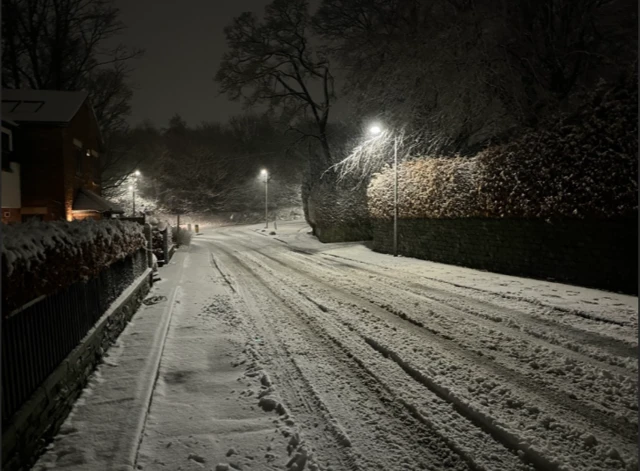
148,393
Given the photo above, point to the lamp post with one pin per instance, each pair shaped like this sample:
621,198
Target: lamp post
132,187
375,130
265,174
133,192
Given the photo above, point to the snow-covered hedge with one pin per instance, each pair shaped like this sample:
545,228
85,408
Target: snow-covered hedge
39,258
581,166
158,230
428,188
181,235
338,211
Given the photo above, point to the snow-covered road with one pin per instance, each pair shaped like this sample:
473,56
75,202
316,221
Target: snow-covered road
285,353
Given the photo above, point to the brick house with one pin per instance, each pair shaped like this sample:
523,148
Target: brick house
57,142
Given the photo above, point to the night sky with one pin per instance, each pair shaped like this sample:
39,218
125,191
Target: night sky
184,42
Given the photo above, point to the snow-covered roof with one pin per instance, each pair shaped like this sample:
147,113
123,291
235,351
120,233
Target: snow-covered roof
87,200
41,106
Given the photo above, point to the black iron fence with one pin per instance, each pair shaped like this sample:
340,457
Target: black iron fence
40,335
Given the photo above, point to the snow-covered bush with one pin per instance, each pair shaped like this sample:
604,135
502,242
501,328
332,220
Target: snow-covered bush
584,165
338,211
158,230
579,166
39,258
181,236
428,188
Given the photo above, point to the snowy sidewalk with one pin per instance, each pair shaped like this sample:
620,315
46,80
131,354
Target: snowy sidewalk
104,428
205,412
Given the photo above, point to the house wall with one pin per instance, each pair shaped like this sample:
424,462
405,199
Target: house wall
41,171
83,129
49,180
11,201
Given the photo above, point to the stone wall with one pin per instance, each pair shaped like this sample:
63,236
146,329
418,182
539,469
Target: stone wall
37,422
596,253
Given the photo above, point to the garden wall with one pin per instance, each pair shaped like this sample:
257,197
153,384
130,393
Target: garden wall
596,253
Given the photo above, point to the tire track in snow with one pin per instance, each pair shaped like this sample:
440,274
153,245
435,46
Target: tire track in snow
505,374
214,263
607,343
303,401
396,416
535,302
507,350
408,405
567,372
446,332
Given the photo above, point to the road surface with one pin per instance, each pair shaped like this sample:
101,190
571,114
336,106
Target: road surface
285,353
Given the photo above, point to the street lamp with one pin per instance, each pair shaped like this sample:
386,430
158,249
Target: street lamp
375,130
133,191
132,187
265,174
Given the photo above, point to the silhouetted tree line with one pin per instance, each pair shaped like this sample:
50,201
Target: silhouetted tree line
211,167
451,77
454,74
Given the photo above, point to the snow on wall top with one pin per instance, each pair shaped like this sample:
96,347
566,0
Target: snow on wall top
44,106
30,241
40,258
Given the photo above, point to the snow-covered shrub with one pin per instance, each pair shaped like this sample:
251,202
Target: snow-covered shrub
579,166
584,165
158,230
39,258
338,211
428,188
181,236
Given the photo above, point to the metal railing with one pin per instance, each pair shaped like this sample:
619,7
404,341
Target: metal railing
38,337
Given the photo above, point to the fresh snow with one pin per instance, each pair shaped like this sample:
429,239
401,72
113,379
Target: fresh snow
30,242
275,351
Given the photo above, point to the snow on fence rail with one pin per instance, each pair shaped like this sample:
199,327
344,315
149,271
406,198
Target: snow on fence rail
40,258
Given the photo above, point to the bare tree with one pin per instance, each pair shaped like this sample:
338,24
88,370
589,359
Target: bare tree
272,61
128,150
458,73
208,168
63,45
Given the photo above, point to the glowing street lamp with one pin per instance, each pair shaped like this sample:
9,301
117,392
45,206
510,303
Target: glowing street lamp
265,174
132,187
376,130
